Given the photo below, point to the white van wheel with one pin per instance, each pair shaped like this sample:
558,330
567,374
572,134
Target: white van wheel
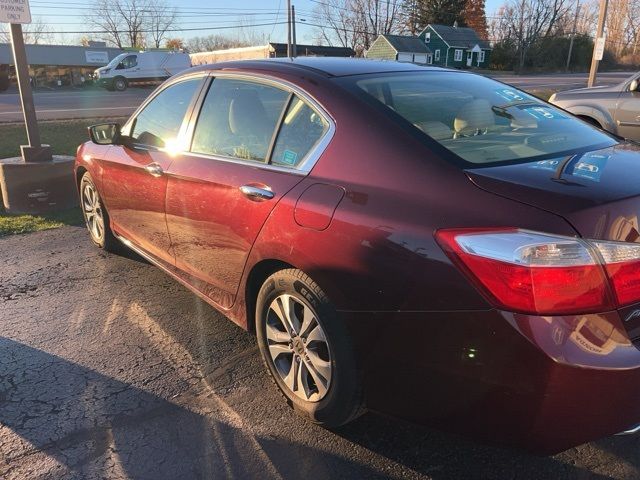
120,84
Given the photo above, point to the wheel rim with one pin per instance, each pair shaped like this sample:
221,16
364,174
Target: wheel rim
93,212
119,84
298,348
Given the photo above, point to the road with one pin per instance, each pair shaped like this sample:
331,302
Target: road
74,104
101,103
110,369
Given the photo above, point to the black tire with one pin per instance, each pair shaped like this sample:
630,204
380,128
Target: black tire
120,84
342,400
104,237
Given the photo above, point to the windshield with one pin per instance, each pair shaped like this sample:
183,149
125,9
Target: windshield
113,63
478,119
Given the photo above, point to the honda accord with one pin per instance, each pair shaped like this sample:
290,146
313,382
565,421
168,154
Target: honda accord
428,243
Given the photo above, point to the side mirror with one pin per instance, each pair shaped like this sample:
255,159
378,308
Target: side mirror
105,133
633,86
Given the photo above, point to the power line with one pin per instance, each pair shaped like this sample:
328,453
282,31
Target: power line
101,32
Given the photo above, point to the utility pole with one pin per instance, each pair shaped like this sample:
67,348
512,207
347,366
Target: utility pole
573,34
598,48
294,48
289,28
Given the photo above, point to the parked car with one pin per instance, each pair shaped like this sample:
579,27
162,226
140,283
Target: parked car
132,68
615,108
428,243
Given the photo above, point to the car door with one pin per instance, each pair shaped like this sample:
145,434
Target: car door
133,181
627,113
239,166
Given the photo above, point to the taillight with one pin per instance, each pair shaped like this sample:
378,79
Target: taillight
543,274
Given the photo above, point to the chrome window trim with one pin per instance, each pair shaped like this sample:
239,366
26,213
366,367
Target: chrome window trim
246,163
310,159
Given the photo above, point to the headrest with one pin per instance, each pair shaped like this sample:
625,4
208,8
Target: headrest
247,115
473,116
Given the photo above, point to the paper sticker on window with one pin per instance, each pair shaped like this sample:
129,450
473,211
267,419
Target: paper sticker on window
546,165
590,166
543,112
511,95
289,157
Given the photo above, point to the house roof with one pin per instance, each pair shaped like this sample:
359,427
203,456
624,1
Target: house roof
404,43
459,36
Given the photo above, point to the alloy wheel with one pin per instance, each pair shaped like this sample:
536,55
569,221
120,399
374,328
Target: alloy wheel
298,348
93,212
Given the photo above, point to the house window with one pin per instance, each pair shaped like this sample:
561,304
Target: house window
469,54
437,55
429,58
457,55
481,56
427,37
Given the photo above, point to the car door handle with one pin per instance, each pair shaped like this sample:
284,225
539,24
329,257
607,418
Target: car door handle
154,169
257,194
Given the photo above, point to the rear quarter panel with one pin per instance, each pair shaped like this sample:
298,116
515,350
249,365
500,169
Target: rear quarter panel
379,252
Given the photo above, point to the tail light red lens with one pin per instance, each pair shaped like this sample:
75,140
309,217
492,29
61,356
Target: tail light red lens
543,274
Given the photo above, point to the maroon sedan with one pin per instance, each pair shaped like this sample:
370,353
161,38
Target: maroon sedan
428,243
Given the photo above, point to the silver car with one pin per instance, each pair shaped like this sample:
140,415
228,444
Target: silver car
615,108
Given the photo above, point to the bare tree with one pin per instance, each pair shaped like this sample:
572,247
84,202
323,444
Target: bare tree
37,32
160,19
527,21
357,23
124,23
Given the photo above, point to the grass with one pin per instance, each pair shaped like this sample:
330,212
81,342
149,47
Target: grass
64,136
14,224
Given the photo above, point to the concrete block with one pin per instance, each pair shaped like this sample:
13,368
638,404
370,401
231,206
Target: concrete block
38,187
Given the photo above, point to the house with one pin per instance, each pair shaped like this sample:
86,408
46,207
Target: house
401,48
454,46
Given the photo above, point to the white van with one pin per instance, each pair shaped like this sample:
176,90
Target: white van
132,68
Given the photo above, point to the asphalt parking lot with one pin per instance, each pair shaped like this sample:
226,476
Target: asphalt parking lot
110,369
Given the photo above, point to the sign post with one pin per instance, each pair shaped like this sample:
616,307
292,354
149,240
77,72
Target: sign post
598,48
37,181
17,12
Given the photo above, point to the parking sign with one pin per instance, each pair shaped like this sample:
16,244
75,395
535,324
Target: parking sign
15,11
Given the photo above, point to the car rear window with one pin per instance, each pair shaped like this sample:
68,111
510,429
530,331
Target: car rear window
478,119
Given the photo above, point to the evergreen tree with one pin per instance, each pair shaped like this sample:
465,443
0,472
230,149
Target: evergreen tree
474,17
420,13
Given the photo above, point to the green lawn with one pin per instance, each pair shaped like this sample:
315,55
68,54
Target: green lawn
12,224
64,136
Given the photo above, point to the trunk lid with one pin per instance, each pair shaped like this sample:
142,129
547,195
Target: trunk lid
582,188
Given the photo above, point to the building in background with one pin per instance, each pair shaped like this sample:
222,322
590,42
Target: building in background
59,65
402,48
454,46
270,50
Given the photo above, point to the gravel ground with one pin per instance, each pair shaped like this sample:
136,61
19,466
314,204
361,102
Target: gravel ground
109,369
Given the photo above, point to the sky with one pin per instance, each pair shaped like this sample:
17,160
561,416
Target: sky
202,18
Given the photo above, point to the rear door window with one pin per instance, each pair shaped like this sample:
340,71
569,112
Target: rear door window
301,130
238,119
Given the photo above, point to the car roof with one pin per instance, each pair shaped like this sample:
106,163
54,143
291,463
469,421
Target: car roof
327,66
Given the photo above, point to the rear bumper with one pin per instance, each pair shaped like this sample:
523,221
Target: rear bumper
544,384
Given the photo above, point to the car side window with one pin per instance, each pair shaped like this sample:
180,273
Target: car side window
302,128
238,119
158,124
129,61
